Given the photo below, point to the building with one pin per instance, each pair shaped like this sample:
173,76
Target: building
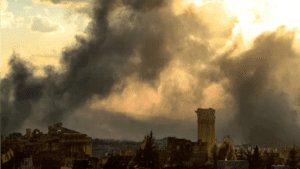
206,126
101,148
247,147
238,164
175,151
237,147
15,136
59,146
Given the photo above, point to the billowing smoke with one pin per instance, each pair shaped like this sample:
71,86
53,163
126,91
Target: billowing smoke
153,60
90,69
264,111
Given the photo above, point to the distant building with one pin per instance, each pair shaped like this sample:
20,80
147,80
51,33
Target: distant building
15,136
237,147
102,148
247,146
161,143
28,133
175,151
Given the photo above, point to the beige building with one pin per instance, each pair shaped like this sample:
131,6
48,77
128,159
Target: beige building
60,147
206,126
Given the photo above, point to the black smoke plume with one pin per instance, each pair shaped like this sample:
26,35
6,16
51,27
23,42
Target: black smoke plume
264,114
91,68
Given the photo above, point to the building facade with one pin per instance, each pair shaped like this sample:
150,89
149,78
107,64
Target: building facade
59,147
206,126
174,151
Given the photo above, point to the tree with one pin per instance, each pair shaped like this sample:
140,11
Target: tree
229,138
257,161
231,154
215,154
223,149
249,156
242,155
138,156
147,156
270,159
293,158
226,150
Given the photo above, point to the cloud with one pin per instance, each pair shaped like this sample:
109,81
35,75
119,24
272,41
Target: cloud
3,5
44,24
60,1
77,12
27,8
8,19
46,11
149,63
79,6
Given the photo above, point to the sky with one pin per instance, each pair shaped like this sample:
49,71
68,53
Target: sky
121,68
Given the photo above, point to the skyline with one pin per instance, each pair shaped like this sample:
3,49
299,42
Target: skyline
124,69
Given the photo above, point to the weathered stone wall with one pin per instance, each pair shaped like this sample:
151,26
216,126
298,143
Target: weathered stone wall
181,151
58,146
206,127
200,154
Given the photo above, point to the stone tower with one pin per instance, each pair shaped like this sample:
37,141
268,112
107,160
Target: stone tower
206,127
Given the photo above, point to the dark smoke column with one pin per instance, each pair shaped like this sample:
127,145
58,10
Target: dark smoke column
206,127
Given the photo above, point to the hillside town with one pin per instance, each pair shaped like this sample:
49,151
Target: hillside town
65,148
